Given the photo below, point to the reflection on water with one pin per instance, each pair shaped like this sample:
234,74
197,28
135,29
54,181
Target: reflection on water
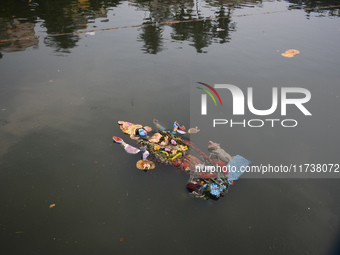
19,26
56,17
200,33
325,8
61,17
203,33
58,114
20,35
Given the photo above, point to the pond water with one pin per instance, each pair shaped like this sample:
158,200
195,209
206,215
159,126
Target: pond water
71,69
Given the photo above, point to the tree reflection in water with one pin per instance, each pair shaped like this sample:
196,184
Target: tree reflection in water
200,33
18,19
322,8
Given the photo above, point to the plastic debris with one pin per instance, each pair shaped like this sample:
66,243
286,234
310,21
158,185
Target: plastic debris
181,132
158,126
145,155
236,167
128,148
178,128
165,147
206,184
117,139
52,205
290,53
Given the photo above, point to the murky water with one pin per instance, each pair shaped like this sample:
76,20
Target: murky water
71,69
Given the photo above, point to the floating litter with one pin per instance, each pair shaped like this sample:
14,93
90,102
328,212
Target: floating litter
290,53
145,164
236,167
193,130
169,149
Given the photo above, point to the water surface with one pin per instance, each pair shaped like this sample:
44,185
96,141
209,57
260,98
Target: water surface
63,90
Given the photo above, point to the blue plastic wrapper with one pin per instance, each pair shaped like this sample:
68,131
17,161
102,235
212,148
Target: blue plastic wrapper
236,167
214,189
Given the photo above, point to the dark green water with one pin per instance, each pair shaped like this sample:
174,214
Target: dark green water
62,93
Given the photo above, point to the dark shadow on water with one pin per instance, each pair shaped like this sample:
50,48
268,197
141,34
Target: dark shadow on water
336,249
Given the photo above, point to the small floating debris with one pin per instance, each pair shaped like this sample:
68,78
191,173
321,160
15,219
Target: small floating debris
90,33
52,205
210,176
290,53
145,164
122,239
219,29
128,148
178,128
193,130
